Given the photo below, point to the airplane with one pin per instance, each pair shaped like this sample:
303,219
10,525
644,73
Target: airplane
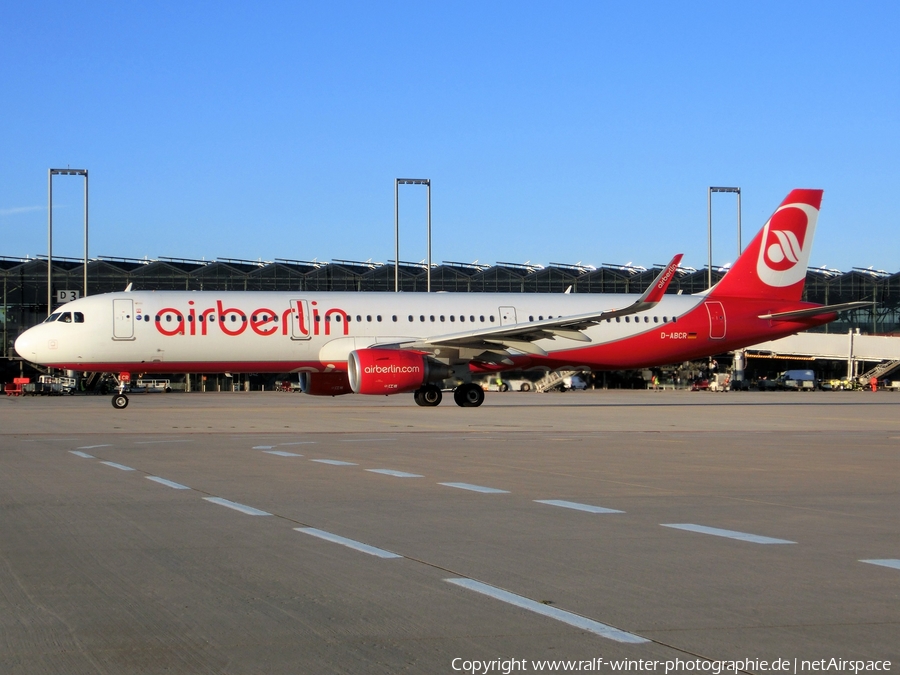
393,343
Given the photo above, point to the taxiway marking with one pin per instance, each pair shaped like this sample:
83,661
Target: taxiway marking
249,510
397,474
475,488
169,483
886,562
121,467
601,629
730,534
576,506
349,543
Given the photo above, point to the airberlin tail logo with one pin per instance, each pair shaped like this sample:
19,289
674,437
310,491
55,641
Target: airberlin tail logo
786,243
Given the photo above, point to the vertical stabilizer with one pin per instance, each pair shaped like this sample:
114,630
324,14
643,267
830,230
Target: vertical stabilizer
774,265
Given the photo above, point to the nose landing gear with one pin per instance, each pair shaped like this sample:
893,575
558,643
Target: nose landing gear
120,400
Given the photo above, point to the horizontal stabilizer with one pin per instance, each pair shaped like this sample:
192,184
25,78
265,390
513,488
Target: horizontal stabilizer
813,311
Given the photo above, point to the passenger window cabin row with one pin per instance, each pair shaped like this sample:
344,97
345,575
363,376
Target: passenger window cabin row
79,318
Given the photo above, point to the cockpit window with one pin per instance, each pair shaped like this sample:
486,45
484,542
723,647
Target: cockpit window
79,317
66,317
52,317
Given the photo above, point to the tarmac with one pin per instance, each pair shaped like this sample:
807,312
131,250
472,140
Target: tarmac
611,530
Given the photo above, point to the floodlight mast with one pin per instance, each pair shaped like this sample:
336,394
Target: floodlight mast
709,224
50,174
397,183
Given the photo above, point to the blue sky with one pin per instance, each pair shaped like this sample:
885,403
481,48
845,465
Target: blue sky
553,132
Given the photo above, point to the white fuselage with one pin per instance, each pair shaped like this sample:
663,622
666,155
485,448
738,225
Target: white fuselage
208,331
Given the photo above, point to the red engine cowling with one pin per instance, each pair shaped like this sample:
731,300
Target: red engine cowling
391,371
325,384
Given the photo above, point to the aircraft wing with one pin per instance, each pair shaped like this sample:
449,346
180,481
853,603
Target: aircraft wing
522,336
813,311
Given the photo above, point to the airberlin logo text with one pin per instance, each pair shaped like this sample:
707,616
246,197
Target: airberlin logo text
668,275
296,321
390,370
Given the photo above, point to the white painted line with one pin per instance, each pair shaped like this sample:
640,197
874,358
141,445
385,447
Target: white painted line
333,462
475,488
171,484
91,447
82,454
282,453
177,440
263,447
349,543
576,506
249,510
121,467
576,620
730,534
887,562
397,474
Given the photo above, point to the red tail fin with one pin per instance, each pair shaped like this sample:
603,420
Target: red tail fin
774,265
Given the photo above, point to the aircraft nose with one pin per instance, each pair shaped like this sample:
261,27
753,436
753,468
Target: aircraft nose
25,345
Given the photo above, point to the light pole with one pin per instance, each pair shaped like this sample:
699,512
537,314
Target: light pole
709,224
397,183
50,174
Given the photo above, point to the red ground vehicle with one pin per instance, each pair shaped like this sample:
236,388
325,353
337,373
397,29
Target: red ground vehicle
16,387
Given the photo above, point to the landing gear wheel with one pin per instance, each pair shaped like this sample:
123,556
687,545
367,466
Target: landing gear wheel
428,396
119,401
468,395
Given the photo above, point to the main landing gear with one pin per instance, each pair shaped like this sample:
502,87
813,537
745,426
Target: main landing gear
467,395
429,396
119,401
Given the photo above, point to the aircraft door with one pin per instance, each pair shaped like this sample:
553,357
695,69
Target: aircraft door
123,319
507,316
716,320
299,318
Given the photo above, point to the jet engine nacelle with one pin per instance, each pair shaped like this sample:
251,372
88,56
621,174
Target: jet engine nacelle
325,384
392,371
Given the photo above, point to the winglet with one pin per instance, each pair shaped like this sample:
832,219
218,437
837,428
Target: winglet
658,288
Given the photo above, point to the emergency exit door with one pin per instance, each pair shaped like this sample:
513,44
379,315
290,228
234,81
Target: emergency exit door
507,316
